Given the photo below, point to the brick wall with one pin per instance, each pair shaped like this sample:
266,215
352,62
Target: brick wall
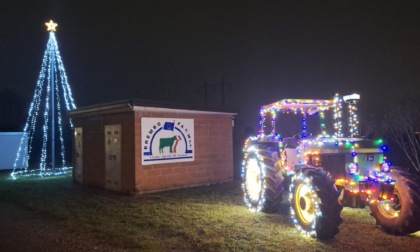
213,157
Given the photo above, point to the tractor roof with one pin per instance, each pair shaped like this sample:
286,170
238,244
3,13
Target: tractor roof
310,106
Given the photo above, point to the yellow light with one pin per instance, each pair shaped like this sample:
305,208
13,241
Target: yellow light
51,26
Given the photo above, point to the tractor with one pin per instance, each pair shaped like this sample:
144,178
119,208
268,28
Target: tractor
320,172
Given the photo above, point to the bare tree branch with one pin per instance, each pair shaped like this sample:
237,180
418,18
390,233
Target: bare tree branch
401,124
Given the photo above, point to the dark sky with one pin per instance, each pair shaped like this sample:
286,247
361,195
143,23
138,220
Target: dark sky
266,50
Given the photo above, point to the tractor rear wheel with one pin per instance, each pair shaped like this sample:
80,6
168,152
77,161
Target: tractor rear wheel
400,215
263,182
315,208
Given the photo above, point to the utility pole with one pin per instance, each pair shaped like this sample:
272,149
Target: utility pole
222,84
205,86
52,85
223,92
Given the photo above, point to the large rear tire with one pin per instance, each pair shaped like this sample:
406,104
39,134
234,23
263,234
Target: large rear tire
263,182
400,215
315,208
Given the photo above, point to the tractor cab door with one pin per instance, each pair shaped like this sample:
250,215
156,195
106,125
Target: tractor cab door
290,153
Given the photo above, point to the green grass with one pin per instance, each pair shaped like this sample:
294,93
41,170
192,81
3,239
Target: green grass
209,218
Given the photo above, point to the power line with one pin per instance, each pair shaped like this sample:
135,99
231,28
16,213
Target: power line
222,85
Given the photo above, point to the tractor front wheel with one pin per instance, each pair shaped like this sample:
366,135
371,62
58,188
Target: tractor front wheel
399,215
315,208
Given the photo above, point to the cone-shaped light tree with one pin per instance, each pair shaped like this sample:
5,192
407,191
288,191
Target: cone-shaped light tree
47,127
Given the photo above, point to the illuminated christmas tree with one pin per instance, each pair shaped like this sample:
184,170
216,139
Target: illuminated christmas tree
51,99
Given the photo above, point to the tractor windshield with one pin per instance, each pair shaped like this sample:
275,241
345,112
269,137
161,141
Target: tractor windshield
310,118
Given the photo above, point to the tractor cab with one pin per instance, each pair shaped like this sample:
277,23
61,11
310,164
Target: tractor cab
325,166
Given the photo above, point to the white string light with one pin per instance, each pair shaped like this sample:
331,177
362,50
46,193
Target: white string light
253,177
338,124
52,68
304,181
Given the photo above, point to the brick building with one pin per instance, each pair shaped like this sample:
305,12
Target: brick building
140,147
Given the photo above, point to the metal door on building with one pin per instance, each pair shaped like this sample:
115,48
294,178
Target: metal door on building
78,166
113,157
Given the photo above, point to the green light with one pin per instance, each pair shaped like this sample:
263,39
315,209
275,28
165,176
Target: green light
358,178
379,142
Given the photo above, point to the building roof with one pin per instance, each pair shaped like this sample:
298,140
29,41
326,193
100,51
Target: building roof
149,105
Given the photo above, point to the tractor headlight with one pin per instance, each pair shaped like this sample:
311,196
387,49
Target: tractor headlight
352,168
385,167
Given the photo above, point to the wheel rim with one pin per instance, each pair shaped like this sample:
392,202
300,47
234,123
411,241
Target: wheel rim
253,180
391,208
305,204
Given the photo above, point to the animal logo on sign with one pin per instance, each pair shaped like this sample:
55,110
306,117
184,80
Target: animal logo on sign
170,143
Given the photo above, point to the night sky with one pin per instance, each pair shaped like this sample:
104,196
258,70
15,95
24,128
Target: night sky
263,50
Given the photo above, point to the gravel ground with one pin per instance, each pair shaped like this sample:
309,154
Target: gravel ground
21,231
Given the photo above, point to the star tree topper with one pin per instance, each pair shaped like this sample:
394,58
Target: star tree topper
51,26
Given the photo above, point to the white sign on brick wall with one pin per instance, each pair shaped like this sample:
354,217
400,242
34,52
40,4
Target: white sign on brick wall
167,140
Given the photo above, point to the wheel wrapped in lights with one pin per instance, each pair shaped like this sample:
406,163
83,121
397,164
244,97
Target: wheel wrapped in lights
315,209
399,215
262,180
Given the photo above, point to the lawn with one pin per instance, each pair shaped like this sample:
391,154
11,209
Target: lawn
208,218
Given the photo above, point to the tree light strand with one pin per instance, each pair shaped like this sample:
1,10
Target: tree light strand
40,107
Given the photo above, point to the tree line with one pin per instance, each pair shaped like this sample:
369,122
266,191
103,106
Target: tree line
402,126
13,111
